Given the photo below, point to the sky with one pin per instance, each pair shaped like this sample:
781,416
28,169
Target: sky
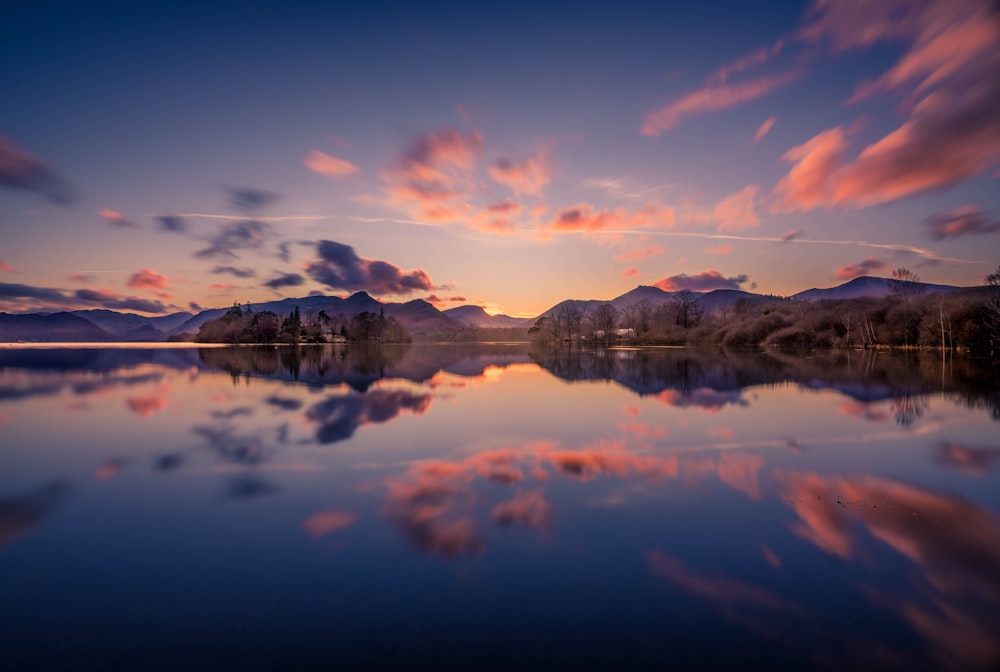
163,157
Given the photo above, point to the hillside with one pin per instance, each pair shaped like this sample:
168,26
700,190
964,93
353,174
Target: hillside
866,286
477,317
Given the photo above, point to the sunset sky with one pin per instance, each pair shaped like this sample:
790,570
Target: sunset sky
159,157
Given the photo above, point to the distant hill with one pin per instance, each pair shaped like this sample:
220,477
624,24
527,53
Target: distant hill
865,286
51,328
477,317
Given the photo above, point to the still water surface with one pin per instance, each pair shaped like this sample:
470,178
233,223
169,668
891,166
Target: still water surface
491,507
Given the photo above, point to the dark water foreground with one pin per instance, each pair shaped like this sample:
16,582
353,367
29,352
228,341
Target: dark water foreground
496,507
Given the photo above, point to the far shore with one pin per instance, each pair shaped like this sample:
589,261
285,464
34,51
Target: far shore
105,344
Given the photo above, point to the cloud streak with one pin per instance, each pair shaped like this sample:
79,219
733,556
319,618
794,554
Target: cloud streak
713,98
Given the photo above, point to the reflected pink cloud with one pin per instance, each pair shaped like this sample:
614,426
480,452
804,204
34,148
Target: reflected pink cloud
954,543
974,460
528,508
326,522
642,430
434,502
146,405
771,557
720,590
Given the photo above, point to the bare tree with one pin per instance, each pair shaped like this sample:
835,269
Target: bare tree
603,321
570,317
687,311
905,289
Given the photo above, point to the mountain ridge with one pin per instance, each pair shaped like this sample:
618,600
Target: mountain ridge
417,315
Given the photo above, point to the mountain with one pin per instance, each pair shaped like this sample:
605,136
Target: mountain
132,327
477,317
51,328
420,317
654,296
865,286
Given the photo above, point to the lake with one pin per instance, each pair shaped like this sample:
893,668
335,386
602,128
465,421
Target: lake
496,506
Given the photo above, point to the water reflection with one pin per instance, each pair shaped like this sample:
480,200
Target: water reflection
815,512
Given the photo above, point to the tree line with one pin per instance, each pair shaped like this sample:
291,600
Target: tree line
241,324
965,320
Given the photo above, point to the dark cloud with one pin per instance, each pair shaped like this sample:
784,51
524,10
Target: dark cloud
172,224
21,170
701,282
285,280
114,302
961,222
195,306
284,251
244,234
340,267
233,270
13,290
251,200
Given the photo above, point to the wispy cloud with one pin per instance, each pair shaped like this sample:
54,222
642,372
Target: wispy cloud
713,98
331,166
863,267
967,221
764,129
21,170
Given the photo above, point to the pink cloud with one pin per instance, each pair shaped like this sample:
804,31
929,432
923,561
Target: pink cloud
736,211
719,249
7,268
527,177
115,218
584,217
965,221
713,98
701,282
82,278
756,57
331,166
222,286
505,207
629,272
639,253
951,131
863,267
147,278
764,129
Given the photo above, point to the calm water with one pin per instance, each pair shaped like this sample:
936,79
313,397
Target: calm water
496,507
